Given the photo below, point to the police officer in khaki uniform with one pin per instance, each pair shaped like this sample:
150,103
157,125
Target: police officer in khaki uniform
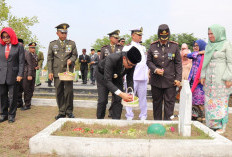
62,52
164,62
113,47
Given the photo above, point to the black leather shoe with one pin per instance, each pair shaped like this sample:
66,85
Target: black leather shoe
49,85
25,108
38,85
59,116
19,105
70,115
11,119
3,118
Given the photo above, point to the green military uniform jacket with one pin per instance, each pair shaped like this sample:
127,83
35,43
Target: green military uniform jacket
40,59
58,56
106,50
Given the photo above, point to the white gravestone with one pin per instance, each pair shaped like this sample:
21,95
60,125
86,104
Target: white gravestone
185,109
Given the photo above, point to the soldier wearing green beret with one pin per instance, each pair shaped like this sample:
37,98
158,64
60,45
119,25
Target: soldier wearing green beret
62,53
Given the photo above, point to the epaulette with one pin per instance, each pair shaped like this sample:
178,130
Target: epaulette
104,46
53,41
174,42
155,42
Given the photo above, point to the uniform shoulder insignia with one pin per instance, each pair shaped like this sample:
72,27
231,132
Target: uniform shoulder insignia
174,42
52,41
155,42
104,46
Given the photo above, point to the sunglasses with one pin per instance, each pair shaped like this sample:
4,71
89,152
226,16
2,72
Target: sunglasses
131,65
123,41
5,37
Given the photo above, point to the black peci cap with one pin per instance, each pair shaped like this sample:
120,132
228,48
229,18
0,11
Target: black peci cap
134,55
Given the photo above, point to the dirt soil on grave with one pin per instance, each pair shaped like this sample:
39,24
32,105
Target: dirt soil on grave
14,138
135,131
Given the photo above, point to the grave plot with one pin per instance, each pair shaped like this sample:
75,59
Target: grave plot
45,142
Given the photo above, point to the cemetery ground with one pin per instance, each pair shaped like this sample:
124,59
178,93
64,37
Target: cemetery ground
14,138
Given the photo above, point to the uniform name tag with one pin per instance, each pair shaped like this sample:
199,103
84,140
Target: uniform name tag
118,51
155,54
55,47
106,52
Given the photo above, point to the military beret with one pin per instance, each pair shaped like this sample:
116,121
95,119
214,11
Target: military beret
20,40
134,55
33,44
62,27
138,31
114,34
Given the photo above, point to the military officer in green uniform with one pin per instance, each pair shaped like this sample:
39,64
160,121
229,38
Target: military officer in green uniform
40,64
164,62
62,53
113,47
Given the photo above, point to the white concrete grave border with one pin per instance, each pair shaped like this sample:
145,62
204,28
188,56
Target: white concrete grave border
46,143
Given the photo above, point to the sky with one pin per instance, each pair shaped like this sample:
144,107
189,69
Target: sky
93,19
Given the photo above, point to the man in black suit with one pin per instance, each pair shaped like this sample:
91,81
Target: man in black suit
109,74
84,60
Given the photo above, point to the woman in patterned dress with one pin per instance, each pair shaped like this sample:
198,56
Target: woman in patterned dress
216,77
198,95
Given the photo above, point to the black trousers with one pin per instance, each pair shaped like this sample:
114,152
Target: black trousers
84,73
103,92
64,96
19,86
8,100
166,95
28,88
49,82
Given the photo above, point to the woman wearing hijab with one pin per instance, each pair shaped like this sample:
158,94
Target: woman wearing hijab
11,70
186,63
216,77
198,95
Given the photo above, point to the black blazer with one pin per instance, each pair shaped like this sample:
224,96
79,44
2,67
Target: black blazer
30,63
84,64
13,66
111,72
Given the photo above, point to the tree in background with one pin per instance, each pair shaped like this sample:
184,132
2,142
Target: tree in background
106,41
101,42
20,25
180,38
